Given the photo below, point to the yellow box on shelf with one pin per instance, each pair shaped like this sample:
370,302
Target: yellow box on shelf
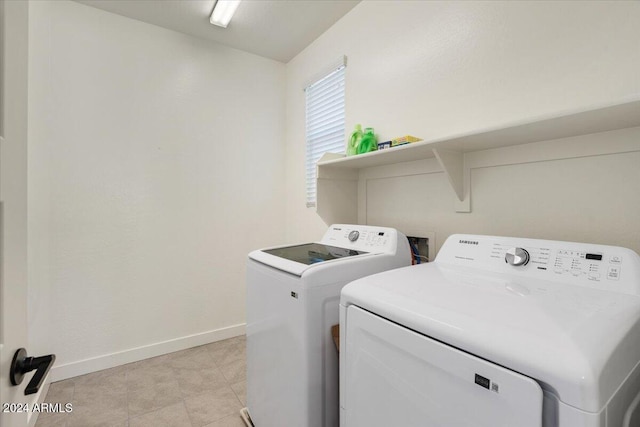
407,139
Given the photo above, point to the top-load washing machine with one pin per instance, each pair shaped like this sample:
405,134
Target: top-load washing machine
293,296
496,332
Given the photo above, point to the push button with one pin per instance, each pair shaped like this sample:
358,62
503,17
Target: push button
613,273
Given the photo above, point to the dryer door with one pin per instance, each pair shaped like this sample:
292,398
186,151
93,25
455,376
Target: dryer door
397,377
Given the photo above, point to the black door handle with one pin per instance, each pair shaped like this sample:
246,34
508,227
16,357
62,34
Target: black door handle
21,364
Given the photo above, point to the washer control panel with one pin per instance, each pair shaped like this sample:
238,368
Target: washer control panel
362,237
599,266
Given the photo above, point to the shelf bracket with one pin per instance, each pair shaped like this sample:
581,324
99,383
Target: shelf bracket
452,163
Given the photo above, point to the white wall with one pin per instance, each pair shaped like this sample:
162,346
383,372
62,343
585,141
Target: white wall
155,165
433,69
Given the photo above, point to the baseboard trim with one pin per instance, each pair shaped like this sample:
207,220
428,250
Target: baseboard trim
81,367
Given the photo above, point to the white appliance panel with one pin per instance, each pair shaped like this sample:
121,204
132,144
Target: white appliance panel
273,344
561,332
565,315
292,363
397,377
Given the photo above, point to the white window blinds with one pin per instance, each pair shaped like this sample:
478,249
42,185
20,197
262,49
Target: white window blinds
324,123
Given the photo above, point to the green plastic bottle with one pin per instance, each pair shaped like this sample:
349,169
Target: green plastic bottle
354,141
368,143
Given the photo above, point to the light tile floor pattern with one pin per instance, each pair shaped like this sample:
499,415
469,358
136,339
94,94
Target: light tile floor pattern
200,387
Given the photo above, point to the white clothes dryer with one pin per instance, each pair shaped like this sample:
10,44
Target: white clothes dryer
496,332
293,295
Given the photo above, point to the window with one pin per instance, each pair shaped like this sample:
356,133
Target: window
324,122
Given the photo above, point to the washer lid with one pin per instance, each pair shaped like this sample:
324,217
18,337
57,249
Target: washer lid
340,242
298,258
579,343
312,253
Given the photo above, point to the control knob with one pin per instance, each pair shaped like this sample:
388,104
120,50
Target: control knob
517,256
353,236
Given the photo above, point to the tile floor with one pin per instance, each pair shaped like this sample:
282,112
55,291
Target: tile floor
200,387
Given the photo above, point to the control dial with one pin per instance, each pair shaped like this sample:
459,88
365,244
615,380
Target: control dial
353,236
517,256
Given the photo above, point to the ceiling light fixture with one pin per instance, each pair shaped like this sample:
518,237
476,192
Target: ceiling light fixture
223,11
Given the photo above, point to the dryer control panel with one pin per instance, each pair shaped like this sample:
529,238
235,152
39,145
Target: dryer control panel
591,265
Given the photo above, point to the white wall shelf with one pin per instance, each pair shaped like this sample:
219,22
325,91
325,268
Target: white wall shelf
338,175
